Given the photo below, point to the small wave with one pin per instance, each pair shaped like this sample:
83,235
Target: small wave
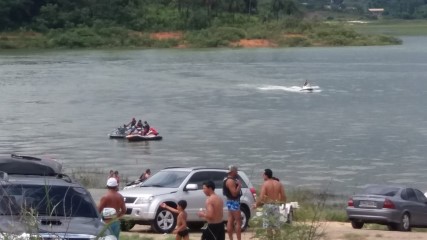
288,89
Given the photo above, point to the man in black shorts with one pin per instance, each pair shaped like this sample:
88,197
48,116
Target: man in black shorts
213,214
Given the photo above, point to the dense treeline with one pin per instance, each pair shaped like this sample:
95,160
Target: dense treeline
157,15
199,23
41,15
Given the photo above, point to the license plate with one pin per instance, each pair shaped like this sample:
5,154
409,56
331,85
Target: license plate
368,204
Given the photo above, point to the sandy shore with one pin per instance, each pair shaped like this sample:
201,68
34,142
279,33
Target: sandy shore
331,230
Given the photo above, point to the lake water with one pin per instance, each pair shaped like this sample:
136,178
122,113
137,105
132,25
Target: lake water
366,122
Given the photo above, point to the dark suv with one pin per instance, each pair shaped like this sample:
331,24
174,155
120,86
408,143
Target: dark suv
38,202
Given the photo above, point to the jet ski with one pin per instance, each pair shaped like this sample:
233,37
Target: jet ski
307,87
120,132
139,137
152,135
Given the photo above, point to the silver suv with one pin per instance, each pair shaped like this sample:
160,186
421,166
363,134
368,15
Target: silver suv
38,202
173,184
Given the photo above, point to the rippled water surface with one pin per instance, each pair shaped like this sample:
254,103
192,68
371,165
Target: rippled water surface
365,122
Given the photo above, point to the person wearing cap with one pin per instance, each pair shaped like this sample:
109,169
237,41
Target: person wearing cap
112,206
271,196
232,189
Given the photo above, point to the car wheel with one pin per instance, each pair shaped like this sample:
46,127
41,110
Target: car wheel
244,213
356,224
290,217
126,225
164,222
405,223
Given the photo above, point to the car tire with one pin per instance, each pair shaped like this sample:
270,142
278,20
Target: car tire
244,212
405,223
126,225
164,221
356,224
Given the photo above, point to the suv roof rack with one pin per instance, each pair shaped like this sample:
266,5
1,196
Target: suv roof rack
28,165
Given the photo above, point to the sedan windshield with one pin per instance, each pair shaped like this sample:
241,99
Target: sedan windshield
381,190
46,201
166,179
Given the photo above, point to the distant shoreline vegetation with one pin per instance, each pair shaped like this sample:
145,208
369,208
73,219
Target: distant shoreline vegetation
289,32
56,24
104,24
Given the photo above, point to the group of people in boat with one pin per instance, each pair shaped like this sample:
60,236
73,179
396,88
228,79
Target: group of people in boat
140,128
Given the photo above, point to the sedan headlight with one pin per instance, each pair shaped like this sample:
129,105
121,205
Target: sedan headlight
142,200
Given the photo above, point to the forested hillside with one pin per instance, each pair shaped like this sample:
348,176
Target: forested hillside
204,23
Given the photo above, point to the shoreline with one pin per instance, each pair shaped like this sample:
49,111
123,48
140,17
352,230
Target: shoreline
327,36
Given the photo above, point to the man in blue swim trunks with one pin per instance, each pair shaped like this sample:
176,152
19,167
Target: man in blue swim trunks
232,189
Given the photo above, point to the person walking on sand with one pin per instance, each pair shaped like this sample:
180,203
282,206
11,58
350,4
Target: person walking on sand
112,206
271,196
213,214
232,189
181,229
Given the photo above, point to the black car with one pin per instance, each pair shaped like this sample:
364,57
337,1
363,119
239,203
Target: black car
37,201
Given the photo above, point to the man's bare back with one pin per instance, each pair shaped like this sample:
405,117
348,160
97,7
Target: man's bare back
115,200
272,191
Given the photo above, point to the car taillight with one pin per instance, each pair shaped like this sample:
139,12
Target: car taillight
388,204
253,191
350,202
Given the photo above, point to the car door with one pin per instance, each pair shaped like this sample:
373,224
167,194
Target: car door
196,198
421,207
413,205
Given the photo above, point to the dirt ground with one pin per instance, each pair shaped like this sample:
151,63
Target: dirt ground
332,231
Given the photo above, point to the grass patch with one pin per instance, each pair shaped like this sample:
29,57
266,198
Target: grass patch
392,27
94,178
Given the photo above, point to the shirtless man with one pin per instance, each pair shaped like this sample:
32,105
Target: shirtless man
271,196
213,214
113,200
232,189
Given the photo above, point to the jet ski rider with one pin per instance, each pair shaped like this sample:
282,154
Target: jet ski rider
132,123
146,128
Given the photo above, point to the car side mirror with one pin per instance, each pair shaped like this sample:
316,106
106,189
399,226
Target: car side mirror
191,187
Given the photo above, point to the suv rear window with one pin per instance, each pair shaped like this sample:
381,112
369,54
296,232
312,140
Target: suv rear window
61,201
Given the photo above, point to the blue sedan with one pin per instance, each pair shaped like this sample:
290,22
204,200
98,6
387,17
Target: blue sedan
400,208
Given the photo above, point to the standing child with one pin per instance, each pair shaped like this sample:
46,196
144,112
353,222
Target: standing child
181,230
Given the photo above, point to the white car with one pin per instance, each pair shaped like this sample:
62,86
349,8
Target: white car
173,184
